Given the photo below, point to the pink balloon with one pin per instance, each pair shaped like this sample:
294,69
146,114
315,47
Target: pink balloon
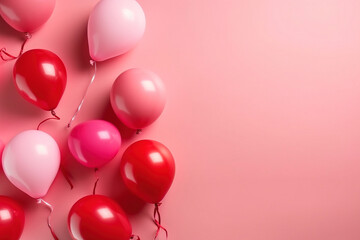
31,161
94,143
138,97
26,15
114,27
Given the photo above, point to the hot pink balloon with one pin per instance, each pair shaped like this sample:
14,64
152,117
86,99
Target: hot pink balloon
26,15
138,97
31,161
94,143
114,27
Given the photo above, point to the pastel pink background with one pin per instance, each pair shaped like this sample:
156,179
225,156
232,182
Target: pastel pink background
262,117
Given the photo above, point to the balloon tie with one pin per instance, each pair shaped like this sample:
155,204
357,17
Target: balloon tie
12,57
66,176
157,221
97,179
48,219
55,118
135,237
92,63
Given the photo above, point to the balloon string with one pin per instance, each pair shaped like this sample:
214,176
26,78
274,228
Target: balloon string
157,221
97,179
48,219
66,176
136,237
11,57
92,63
55,118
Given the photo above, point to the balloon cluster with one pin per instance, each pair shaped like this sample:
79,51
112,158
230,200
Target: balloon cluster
31,159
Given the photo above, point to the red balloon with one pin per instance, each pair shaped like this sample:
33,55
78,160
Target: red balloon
97,217
40,78
12,219
148,168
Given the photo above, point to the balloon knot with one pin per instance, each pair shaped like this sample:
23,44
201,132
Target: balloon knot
28,35
135,237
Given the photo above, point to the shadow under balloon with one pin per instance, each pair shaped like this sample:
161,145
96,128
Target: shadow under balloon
12,103
9,190
8,31
131,204
81,48
69,167
127,134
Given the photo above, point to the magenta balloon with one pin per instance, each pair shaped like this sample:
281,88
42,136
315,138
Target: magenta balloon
94,143
31,161
26,15
138,97
114,27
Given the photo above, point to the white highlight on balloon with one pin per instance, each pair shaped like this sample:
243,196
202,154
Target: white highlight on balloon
104,135
156,157
105,213
41,149
129,172
78,150
129,14
49,69
5,215
21,83
148,85
74,223
120,103
9,13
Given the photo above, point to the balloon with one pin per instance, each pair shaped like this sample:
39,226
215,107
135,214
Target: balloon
40,78
147,169
97,217
94,143
12,219
26,15
138,97
114,27
31,161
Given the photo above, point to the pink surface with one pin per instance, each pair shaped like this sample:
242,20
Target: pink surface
262,117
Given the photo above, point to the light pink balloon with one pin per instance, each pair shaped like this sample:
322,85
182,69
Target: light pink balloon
26,15
31,161
94,143
114,27
138,97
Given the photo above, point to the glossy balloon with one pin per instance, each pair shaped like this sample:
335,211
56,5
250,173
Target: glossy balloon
31,161
148,168
40,77
114,27
94,143
138,97
12,219
98,217
26,15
